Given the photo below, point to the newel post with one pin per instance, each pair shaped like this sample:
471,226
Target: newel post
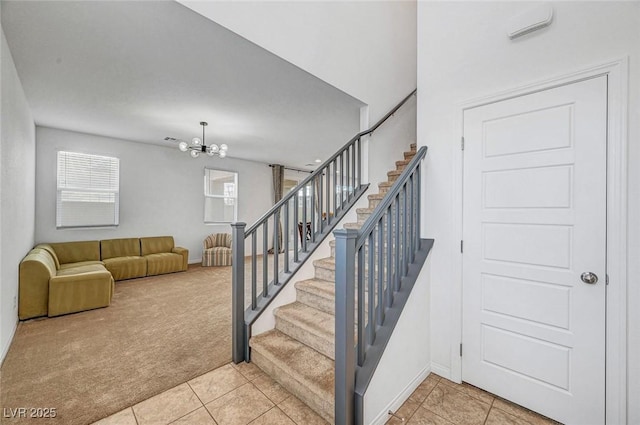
345,363
237,292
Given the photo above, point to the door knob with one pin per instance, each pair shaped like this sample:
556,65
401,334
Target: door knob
588,277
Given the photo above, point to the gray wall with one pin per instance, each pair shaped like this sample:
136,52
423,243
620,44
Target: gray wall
17,192
161,190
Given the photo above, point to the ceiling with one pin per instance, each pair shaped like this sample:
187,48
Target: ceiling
144,70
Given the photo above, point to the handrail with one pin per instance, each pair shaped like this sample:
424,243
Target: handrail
322,166
313,208
378,288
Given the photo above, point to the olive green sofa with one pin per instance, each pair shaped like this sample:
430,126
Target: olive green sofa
67,277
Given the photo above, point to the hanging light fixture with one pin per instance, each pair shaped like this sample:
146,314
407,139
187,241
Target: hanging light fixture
197,145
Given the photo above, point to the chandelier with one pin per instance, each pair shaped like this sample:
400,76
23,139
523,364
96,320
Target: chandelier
197,145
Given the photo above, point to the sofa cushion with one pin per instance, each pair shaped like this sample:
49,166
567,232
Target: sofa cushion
126,267
218,256
111,248
81,268
74,252
80,263
156,245
164,262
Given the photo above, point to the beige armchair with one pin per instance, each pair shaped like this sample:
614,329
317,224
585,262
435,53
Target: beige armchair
217,250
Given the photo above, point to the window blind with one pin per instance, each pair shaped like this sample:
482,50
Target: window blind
87,190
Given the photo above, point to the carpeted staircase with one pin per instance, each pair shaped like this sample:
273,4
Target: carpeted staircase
299,352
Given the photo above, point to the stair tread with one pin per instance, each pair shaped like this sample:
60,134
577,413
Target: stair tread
376,196
403,162
306,365
386,184
394,173
313,321
352,225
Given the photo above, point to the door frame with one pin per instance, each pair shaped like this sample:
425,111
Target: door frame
616,262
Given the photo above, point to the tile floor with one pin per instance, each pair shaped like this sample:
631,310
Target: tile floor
243,394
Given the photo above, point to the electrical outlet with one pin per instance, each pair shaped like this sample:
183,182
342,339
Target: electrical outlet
15,302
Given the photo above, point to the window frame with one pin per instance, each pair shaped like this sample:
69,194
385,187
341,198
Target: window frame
60,190
223,197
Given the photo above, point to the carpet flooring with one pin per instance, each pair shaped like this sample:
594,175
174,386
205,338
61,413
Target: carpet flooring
158,332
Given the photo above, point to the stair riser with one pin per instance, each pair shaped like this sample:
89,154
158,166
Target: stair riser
324,408
295,331
326,305
401,167
392,178
374,202
325,274
362,217
408,156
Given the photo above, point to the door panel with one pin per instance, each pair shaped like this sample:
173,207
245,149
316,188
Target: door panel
533,220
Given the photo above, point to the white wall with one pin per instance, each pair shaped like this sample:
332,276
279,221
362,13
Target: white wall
405,362
464,54
387,144
17,191
366,49
161,190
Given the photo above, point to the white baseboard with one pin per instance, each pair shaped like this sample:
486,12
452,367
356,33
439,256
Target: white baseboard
395,404
440,370
5,349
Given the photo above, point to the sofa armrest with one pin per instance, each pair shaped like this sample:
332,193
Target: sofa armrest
36,269
185,256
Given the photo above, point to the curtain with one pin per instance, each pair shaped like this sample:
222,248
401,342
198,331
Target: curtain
278,185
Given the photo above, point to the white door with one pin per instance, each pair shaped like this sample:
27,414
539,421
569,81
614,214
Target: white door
533,222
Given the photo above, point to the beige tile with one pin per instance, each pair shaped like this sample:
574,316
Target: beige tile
300,412
240,406
124,417
498,417
423,416
425,388
405,411
274,416
456,406
217,383
520,412
167,406
248,370
474,392
199,417
271,388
